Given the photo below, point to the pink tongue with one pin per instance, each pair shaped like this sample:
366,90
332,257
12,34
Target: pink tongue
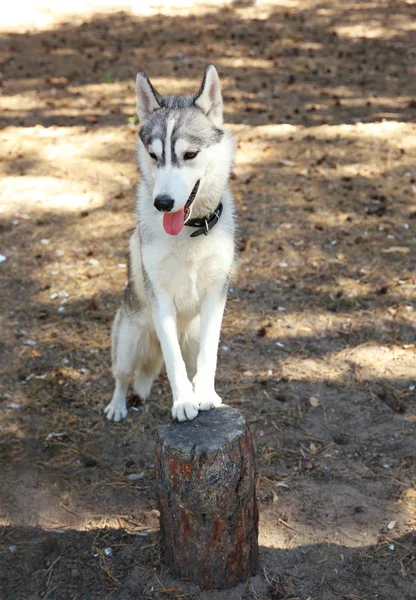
173,222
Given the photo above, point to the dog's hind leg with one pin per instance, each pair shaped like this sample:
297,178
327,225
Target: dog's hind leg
124,338
149,361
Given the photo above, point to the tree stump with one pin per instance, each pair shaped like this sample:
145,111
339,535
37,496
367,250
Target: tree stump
205,475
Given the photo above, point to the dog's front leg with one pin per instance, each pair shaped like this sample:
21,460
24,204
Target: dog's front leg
212,311
185,404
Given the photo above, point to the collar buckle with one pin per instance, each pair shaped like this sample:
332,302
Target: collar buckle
206,224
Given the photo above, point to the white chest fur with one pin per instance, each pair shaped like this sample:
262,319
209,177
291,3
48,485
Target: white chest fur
185,271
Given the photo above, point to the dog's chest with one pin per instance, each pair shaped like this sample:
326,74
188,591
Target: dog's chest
187,274
187,281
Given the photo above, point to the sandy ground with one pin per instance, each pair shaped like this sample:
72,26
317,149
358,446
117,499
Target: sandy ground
318,342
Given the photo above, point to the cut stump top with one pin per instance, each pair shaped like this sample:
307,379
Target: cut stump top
208,432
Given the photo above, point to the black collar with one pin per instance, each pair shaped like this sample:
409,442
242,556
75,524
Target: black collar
206,223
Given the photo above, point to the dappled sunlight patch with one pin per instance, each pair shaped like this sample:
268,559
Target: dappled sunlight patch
37,502
55,169
43,194
271,535
79,280
339,508
287,146
45,15
371,361
407,503
60,101
257,63
181,7
313,369
397,25
365,362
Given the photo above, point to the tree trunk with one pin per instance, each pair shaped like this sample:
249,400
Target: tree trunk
206,489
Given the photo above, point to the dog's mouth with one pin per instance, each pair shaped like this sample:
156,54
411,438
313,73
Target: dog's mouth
190,200
173,222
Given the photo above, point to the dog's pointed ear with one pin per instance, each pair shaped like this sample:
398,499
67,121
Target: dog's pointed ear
148,100
209,98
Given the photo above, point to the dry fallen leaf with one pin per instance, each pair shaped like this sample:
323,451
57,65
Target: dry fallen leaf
312,448
398,249
410,494
286,163
59,80
314,401
282,484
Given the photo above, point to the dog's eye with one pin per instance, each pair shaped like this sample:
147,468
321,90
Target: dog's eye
153,155
189,155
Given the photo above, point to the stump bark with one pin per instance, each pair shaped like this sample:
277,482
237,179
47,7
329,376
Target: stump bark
205,475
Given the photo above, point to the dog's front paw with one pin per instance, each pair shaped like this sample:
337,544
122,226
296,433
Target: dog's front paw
115,411
208,400
185,409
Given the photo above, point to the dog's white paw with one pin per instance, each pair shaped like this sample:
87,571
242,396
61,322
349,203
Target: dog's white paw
115,411
208,400
185,410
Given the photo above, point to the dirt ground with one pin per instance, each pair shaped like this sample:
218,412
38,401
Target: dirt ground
318,342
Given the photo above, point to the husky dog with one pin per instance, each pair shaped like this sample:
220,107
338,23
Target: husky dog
181,252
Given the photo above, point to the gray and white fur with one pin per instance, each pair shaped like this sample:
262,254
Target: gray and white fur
174,300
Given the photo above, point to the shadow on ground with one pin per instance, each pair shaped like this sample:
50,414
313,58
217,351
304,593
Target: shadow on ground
56,562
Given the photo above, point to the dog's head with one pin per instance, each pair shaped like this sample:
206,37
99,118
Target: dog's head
184,154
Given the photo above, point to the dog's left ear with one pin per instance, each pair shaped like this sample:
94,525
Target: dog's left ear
148,99
209,98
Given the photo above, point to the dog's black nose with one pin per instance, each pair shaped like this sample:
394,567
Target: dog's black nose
164,203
